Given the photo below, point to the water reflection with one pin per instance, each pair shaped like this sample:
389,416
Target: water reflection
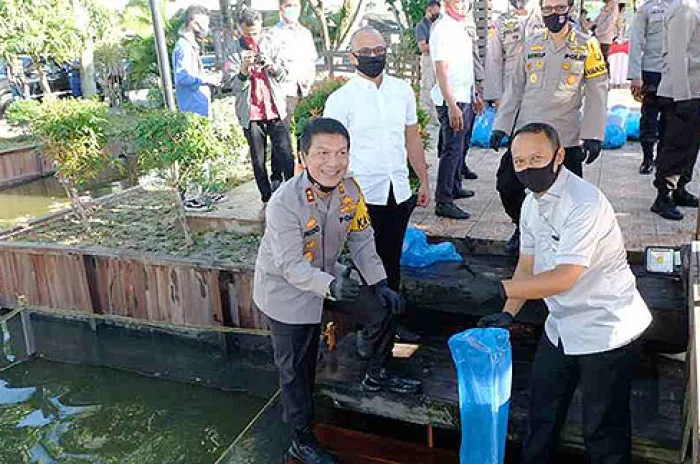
44,196
60,413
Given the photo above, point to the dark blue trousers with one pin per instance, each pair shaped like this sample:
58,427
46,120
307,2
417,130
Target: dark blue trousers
451,152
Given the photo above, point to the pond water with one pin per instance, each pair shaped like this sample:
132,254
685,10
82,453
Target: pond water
44,196
61,413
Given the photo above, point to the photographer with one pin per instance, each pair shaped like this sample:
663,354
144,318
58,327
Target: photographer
255,74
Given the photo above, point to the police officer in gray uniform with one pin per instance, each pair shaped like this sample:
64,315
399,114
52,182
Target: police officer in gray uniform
505,44
645,67
550,78
679,98
310,219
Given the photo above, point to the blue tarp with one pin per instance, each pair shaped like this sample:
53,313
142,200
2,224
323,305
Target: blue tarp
417,252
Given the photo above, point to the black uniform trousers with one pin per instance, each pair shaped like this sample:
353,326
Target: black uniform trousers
451,152
605,381
296,352
390,222
512,191
649,121
256,135
605,50
679,142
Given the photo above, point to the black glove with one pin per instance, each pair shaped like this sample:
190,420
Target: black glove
591,150
344,287
501,320
389,299
496,139
688,109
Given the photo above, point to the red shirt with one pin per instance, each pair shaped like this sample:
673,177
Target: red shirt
262,106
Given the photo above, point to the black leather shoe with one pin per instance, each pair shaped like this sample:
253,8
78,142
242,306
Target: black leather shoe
309,452
469,174
513,244
464,193
666,208
406,336
379,379
451,211
684,198
646,167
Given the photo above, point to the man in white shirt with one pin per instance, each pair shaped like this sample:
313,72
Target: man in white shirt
572,255
452,53
379,111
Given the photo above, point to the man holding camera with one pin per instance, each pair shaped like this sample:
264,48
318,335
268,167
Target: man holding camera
255,74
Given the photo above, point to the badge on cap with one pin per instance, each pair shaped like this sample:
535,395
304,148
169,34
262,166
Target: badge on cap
533,78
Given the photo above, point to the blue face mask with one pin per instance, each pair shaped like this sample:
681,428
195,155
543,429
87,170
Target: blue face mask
292,13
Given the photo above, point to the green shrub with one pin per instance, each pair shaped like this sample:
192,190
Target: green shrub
22,112
74,134
313,105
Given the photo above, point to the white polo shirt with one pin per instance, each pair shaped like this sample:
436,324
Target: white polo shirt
450,41
573,223
376,118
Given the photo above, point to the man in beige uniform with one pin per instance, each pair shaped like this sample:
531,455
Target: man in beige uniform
679,99
550,79
310,219
505,44
605,27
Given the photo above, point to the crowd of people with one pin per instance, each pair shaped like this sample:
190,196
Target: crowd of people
547,76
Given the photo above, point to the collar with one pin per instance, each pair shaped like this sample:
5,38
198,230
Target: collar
310,195
368,84
283,25
556,191
192,43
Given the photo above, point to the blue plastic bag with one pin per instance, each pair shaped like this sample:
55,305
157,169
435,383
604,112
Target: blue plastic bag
417,252
616,127
481,133
484,364
633,125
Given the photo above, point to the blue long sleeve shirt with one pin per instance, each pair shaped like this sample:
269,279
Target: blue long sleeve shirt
192,95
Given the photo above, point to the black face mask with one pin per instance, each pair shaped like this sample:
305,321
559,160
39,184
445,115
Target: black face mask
539,179
371,66
318,185
556,22
434,17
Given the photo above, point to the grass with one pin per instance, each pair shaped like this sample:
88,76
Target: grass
146,222
18,141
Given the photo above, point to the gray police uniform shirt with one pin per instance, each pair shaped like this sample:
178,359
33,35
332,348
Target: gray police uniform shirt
681,75
504,45
646,38
299,251
549,84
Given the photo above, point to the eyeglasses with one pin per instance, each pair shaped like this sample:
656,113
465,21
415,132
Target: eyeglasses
558,9
366,51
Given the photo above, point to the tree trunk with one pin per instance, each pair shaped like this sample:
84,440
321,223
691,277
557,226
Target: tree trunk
318,8
87,69
353,21
43,79
74,197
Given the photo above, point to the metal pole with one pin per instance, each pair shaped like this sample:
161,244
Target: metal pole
162,52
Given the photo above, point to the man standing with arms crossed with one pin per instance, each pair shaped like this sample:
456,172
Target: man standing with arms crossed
645,66
550,79
379,111
679,95
451,48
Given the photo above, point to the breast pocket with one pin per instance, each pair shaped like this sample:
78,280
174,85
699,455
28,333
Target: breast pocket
534,74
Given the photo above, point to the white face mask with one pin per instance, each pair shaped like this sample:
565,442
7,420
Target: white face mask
292,13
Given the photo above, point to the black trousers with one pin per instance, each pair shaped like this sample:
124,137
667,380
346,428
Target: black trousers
296,352
256,135
605,49
679,142
649,121
451,152
605,380
512,192
390,223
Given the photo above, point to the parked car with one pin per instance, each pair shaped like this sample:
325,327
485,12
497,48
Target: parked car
56,75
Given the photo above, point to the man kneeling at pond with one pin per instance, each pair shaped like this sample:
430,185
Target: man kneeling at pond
572,255
309,220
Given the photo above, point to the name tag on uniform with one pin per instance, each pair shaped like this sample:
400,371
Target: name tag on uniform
575,56
535,55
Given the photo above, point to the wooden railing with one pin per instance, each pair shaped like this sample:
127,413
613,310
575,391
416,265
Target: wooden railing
23,164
